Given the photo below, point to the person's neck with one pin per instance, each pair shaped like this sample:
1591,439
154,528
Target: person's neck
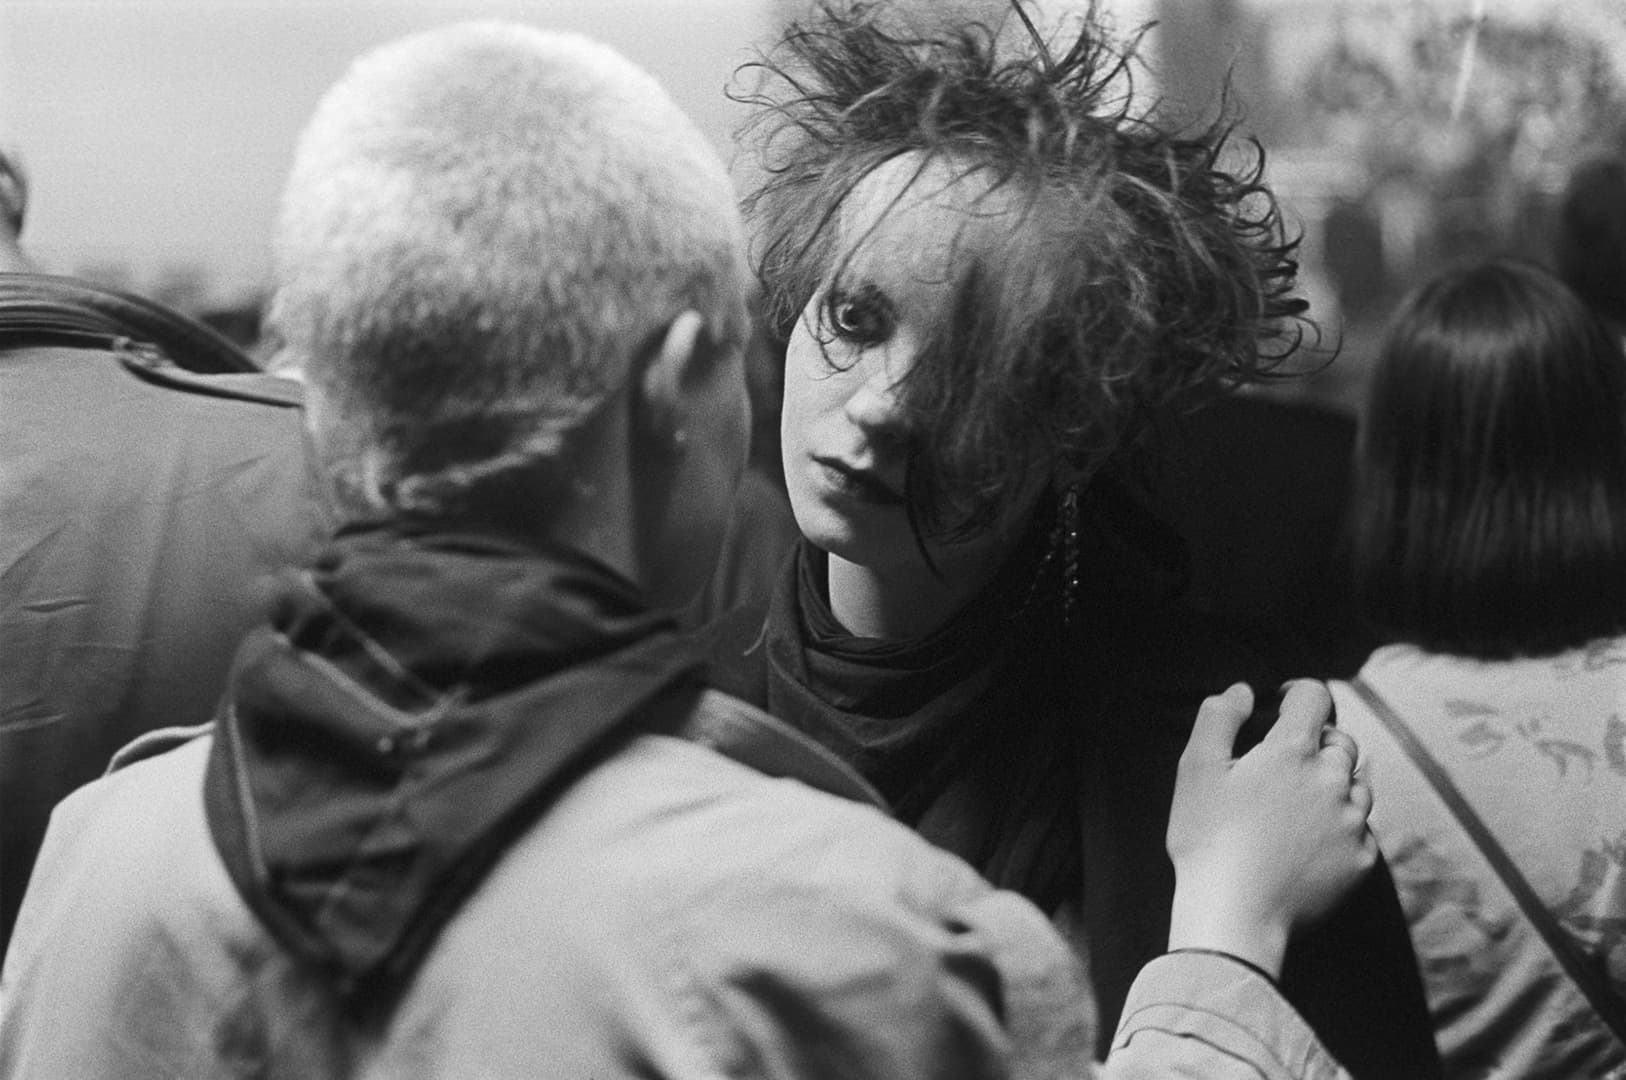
900,602
590,513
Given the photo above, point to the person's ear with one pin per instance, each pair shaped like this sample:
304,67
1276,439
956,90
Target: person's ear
670,375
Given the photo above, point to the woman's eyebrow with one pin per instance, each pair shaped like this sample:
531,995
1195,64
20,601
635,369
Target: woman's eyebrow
848,279
863,290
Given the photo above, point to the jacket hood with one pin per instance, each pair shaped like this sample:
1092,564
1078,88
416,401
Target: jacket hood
418,699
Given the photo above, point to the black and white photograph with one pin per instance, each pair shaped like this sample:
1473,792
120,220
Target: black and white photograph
812,539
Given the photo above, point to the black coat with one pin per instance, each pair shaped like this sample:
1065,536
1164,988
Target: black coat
1045,755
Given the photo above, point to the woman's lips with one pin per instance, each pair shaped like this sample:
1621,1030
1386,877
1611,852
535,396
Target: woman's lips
861,484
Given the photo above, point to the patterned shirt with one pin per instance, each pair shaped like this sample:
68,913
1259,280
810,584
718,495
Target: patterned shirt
1538,749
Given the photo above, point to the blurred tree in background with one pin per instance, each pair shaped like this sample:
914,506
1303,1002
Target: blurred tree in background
1458,127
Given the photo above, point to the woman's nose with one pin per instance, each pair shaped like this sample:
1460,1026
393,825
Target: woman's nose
877,404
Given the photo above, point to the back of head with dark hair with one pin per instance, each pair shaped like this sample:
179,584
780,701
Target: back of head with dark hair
1590,248
1491,476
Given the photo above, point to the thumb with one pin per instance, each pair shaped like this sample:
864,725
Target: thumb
1220,718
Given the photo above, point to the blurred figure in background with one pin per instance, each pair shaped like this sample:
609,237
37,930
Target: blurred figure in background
144,494
1491,551
13,209
1590,246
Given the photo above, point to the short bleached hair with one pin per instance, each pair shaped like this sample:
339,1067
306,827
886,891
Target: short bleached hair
484,226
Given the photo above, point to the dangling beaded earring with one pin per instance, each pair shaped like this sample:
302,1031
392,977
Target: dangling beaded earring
1061,546
1067,525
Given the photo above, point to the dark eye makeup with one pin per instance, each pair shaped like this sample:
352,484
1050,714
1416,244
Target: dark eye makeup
862,316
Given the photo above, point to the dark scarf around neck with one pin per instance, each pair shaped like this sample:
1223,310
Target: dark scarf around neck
960,742
417,700
974,733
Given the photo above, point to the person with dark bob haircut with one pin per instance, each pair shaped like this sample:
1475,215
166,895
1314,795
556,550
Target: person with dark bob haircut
1491,553
1492,470
993,278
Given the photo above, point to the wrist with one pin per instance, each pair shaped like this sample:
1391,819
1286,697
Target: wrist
1207,922
1232,958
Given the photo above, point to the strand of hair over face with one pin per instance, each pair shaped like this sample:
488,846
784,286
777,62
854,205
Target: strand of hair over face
1136,271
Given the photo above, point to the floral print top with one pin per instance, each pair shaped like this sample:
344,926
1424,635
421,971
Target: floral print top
1538,749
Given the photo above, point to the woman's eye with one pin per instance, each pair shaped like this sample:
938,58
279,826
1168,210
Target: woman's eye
863,317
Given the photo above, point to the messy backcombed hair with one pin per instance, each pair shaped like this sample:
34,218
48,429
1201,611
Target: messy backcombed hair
1135,271
485,225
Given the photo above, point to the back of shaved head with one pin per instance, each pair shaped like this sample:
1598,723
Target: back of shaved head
484,225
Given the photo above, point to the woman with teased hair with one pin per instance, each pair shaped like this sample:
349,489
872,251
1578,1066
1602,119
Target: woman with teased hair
993,278
1491,552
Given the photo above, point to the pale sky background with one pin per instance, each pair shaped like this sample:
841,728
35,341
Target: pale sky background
157,132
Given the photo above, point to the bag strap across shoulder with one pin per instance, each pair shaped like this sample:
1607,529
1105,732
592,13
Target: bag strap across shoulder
50,309
1605,1002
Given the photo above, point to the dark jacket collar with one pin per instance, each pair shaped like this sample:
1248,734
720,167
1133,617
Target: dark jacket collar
417,700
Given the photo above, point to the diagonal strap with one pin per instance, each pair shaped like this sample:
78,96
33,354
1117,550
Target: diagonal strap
1605,1002
55,310
750,736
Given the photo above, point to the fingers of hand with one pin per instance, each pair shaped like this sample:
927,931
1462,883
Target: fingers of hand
1369,851
1305,709
1339,760
1218,720
1360,796
1365,845
1334,809
1357,802
1341,746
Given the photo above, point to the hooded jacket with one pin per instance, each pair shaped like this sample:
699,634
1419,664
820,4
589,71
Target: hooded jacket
468,811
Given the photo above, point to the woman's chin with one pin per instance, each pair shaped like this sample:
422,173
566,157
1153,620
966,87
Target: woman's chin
870,543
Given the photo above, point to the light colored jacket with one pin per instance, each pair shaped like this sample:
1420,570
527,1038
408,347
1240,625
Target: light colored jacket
677,913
